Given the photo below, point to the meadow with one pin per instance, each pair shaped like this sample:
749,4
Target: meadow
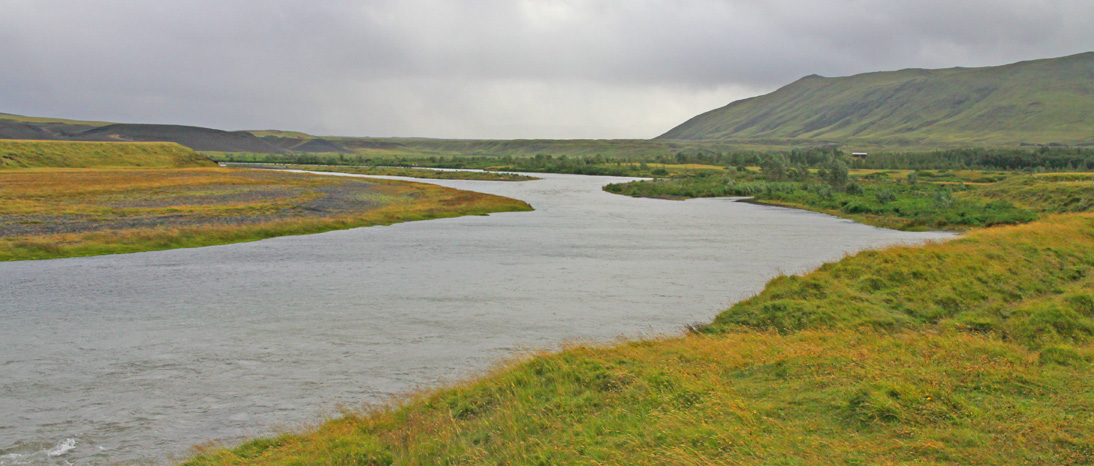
424,173
19,154
60,212
898,199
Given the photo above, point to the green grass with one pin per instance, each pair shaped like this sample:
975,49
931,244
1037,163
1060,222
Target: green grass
122,210
899,199
974,351
402,171
1034,102
31,119
19,154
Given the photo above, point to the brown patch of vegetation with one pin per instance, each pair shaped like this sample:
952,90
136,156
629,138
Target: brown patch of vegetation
46,213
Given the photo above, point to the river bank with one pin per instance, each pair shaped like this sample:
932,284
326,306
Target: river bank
137,357
49,213
973,351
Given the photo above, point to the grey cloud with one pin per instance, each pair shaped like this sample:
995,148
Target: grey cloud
483,68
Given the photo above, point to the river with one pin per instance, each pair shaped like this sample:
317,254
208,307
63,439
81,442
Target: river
138,357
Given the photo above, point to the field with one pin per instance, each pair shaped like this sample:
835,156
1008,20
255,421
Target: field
402,171
973,351
899,199
59,212
17,154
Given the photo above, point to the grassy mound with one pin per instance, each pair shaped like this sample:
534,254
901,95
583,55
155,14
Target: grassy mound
975,351
1031,284
65,154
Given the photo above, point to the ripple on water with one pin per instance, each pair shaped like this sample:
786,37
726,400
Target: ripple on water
138,357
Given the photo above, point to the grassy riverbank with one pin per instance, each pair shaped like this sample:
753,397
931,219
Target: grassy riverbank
424,173
898,199
64,212
973,351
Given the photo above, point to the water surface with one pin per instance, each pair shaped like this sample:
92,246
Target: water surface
140,356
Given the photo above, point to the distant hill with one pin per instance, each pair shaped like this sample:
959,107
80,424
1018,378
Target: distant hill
194,137
15,154
1034,102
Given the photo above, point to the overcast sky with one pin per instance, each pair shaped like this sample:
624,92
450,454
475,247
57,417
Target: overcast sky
483,68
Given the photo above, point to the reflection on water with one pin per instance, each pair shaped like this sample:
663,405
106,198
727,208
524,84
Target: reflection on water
139,356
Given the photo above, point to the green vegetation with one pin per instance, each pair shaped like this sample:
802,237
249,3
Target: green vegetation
690,159
31,119
16,154
57,212
901,199
1030,285
66,199
1033,102
402,171
978,350
973,351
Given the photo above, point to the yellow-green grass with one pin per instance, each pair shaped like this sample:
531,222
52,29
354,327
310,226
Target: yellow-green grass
973,351
31,119
57,212
1051,193
408,172
21,154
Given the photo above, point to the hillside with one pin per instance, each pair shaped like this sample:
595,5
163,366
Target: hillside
65,154
1033,102
194,137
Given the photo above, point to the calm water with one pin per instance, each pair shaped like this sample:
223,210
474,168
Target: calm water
140,356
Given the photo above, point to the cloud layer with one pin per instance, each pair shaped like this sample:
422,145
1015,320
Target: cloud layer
483,68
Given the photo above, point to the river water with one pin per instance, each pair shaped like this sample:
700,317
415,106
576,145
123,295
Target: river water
138,357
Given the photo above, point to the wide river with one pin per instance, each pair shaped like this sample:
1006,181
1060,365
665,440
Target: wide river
138,357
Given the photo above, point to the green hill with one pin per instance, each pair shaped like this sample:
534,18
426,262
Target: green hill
1033,102
66,154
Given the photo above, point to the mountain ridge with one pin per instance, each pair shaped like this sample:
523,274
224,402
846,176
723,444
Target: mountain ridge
1036,102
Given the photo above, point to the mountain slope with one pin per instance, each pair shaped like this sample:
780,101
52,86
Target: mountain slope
194,137
1039,102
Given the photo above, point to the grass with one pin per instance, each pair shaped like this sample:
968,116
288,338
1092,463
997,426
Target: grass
19,154
1045,101
59,212
898,199
424,173
973,351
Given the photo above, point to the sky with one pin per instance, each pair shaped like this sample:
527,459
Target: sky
483,69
